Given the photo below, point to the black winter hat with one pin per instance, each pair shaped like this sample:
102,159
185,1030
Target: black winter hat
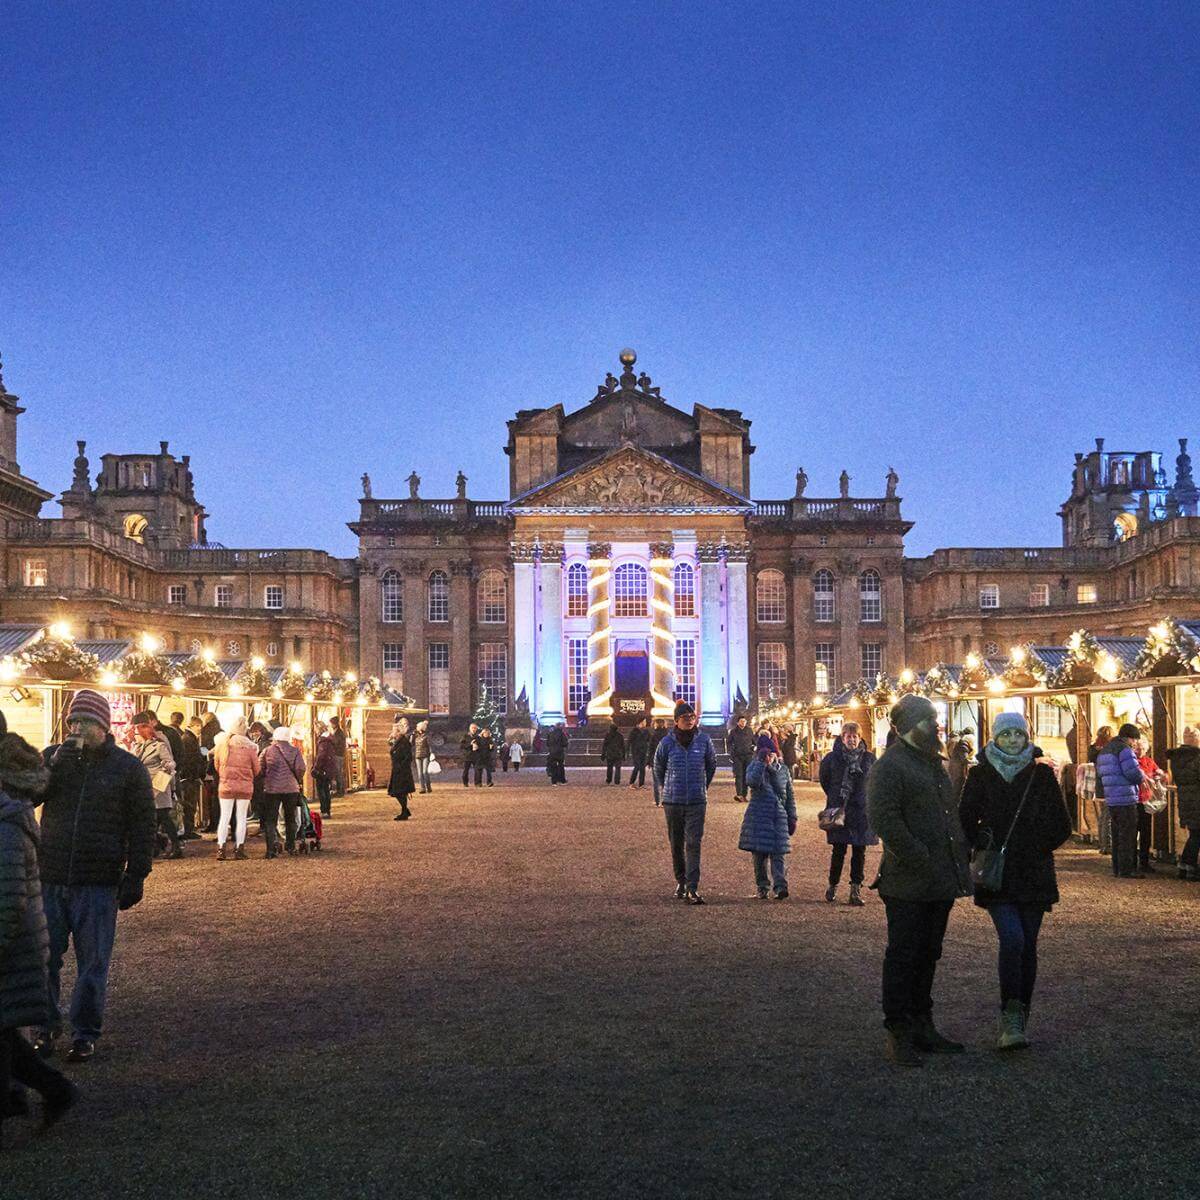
1130,733
684,709
910,712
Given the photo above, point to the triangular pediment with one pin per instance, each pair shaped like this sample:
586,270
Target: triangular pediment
631,479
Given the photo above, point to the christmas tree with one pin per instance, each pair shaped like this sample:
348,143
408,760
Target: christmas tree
487,715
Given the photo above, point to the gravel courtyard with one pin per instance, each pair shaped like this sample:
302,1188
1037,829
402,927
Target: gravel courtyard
500,998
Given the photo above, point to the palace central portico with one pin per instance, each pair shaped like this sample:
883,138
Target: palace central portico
628,569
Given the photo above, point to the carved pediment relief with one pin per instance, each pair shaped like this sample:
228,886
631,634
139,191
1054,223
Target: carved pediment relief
630,480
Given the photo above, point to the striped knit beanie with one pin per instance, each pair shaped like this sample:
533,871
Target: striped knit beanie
91,706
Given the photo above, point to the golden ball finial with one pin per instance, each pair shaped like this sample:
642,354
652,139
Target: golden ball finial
628,357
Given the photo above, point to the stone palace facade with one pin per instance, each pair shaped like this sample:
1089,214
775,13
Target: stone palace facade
628,566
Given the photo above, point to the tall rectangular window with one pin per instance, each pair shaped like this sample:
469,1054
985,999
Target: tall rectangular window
272,596
393,657
989,595
177,593
439,677
577,672
223,595
1039,595
772,670
685,669
493,672
770,602
871,654
1085,593
685,590
35,573
825,654
824,597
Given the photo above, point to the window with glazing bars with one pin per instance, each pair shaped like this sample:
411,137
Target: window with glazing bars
577,672
770,606
824,596
685,590
439,677
772,670
493,672
685,669
825,654
871,659
391,597
870,596
577,590
493,598
439,596
629,590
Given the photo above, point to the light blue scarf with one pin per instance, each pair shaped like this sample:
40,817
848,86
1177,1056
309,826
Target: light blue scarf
1009,765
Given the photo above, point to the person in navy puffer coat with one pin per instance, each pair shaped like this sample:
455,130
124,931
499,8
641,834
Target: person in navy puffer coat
684,765
1118,773
769,822
843,778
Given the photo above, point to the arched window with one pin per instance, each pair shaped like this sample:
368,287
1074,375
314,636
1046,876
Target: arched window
870,596
135,527
577,590
770,605
439,596
391,597
629,590
493,598
824,596
685,590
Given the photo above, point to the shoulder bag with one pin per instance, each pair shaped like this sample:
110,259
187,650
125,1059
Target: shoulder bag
987,863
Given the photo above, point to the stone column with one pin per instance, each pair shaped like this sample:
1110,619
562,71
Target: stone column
662,637
550,641
804,631
524,624
737,621
464,685
416,664
712,640
849,664
370,622
600,648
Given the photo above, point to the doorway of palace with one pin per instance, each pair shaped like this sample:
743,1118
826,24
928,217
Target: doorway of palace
631,681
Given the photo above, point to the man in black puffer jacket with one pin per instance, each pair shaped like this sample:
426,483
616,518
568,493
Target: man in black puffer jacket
97,847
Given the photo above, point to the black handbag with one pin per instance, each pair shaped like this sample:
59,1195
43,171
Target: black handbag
987,864
833,817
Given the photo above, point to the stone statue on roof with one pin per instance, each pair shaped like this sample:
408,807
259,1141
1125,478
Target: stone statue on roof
414,486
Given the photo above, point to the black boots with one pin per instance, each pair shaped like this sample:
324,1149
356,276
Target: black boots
898,1046
927,1038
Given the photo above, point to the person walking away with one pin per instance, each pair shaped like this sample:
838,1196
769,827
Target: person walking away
769,822
97,847
505,756
516,752
639,749
612,751
788,749
1118,772
556,754
153,751
684,765
485,761
1145,819
338,734
422,753
656,735
400,784
469,745
1103,816
190,773
740,744
238,765
24,939
283,780
911,807
323,770
1184,762
1013,801
843,776
210,730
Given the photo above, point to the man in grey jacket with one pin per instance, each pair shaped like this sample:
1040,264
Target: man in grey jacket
911,805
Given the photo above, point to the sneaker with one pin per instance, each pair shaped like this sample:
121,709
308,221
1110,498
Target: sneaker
856,900
694,897
764,894
681,892
1012,1027
240,852
220,854
898,1047
43,1044
81,1050
781,895
831,893
56,1106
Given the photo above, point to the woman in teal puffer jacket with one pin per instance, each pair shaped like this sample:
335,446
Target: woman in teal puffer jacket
769,822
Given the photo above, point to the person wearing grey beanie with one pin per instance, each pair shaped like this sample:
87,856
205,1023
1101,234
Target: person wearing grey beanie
911,806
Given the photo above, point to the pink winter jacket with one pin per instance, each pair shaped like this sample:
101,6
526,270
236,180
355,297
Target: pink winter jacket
237,765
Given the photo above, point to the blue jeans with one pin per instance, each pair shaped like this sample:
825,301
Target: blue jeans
685,829
778,871
424,779
1017,927
86,915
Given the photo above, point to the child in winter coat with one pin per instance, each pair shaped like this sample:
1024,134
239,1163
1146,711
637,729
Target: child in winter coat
769,822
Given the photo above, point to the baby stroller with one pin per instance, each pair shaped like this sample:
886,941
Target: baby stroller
308,829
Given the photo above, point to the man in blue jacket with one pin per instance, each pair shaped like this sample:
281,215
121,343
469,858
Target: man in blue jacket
1118,779
684,764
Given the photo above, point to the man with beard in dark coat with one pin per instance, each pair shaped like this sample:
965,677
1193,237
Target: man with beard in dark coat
97,847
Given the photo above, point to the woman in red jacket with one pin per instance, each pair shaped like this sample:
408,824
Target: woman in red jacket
237,766
1145,821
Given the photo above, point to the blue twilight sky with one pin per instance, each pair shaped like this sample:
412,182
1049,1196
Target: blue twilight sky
306,240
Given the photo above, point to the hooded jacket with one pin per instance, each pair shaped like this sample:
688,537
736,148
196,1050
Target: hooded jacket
771,810
24,942
1118,771
237,763
97,817
282,767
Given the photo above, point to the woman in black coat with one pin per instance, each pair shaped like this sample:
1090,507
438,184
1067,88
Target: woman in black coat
843,778
401,784
1185,774
1007,790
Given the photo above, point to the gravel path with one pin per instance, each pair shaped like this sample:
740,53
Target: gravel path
499,998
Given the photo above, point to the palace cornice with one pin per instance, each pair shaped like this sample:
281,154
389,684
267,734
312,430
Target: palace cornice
683,510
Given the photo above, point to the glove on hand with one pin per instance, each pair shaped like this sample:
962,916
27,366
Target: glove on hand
130,893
